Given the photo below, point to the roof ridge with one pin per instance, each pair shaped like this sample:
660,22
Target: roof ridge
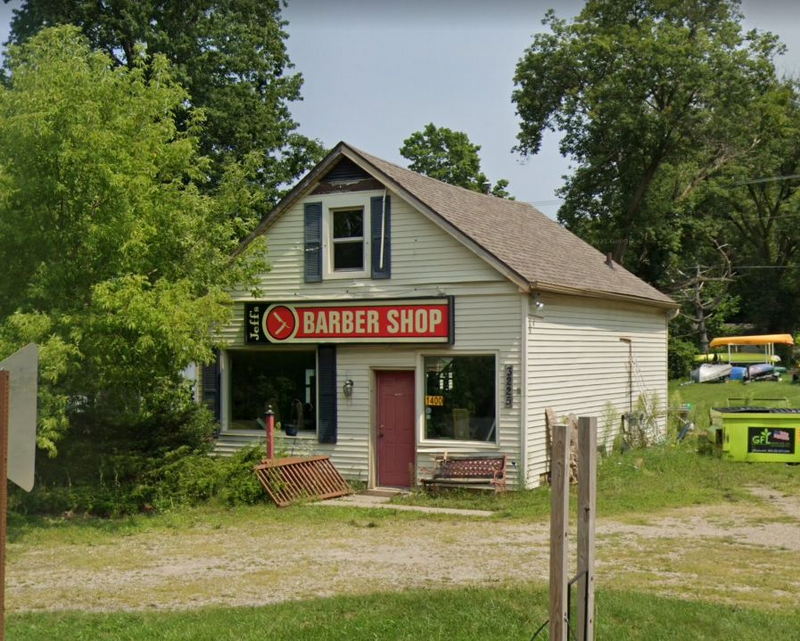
507,203
520,236
439,183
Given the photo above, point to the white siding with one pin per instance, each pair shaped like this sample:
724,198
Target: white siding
570,352
426,261
577,364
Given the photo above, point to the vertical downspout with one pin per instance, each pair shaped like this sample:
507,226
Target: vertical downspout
630,373
523,396
383,229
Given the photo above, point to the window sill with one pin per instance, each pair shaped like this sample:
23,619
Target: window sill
301,436
344,275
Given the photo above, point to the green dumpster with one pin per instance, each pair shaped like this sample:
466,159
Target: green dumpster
757,434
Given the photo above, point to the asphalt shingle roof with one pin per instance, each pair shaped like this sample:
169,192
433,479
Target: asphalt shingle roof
539,251
534,246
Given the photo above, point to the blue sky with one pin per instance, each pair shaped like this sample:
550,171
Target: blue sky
377,70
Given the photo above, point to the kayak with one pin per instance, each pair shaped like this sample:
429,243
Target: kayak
711,372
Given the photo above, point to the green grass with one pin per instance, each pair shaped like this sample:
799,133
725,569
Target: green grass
660,477
656,478
631,484
704,396
42,530
664,476
501,614
637,481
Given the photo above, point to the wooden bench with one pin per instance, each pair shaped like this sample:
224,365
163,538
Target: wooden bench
479,472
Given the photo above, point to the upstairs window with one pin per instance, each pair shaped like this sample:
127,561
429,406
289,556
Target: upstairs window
347,235
347,238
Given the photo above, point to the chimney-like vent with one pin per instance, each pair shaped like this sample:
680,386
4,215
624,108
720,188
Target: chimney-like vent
609,260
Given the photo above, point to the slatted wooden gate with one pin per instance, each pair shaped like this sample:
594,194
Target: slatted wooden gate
301,478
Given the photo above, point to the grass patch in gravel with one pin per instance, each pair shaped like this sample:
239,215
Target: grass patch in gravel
190,520
500,614
723,571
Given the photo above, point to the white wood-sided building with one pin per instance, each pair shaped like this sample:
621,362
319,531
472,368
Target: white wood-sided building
403,318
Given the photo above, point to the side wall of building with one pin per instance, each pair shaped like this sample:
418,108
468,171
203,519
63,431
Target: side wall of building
578,364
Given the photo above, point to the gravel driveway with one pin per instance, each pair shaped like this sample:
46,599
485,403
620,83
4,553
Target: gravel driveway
746,554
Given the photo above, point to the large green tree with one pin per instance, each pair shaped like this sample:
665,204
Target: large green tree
451,157
115,258
755,200
229,55
651,97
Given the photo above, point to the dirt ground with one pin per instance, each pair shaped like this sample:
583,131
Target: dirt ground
743,554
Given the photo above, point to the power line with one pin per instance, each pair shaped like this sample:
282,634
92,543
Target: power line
777,216
766,180
543,202
765,266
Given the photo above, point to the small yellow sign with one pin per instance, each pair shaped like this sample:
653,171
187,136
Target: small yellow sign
437,401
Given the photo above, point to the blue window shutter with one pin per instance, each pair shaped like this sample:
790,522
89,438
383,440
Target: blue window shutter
381,230
210,386
326,381
312,242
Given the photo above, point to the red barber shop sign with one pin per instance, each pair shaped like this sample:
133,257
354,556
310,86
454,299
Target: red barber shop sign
419,320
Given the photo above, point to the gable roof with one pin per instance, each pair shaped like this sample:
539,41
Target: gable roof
531,249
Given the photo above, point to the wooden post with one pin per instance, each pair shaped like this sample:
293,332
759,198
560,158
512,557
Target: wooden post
587,503
5,385
559,521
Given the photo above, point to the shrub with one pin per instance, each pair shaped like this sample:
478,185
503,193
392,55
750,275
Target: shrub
680,357
186,478
108,469
238,483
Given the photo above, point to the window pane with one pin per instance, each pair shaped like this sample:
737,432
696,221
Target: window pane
348,255
348,223
459,398
286,380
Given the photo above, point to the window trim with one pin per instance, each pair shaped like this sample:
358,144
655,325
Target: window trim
348,240
339,202
423,440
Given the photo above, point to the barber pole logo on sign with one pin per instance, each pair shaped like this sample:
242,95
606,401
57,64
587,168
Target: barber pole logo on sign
420,320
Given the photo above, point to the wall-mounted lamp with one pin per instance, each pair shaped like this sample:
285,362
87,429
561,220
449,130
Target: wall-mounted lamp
347,388
538,305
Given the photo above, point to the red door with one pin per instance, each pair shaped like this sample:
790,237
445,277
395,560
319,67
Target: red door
396,435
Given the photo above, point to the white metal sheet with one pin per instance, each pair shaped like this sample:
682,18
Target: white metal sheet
23,368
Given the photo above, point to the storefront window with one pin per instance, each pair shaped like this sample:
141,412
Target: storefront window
460,398
286,380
